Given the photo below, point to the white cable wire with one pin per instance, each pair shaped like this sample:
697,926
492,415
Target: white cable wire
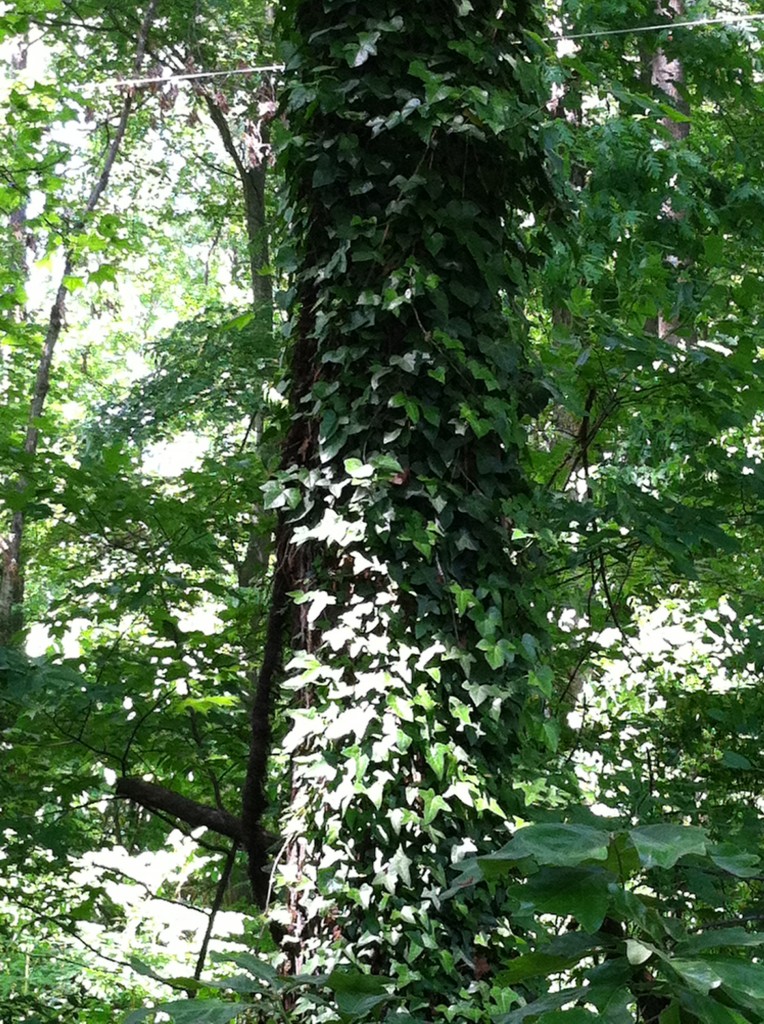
666,26
126,83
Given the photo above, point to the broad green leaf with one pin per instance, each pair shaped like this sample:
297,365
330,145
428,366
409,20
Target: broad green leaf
247,961
559,845
192,1011
663,845
534,965
576,1015
552,1001
709,1011
719,938
581,893
737,976
699,974
357,994
732,759
735,861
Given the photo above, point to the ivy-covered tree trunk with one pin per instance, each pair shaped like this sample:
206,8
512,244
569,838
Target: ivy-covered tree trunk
401,585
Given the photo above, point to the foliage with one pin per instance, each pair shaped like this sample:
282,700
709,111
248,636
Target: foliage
629,918
487,577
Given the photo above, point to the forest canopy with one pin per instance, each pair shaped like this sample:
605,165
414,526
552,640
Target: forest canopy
381,449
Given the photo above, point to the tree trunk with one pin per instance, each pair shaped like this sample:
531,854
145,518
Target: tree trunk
667,75
11,547
411,161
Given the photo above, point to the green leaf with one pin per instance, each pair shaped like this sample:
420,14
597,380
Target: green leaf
552,1001
734,760
663,845
366,48
253,965
719,938
581,893
105,274
535,965
192,1011
357,994
554,845
735,861
739,977
575,1015
699,974
714,249
706,1009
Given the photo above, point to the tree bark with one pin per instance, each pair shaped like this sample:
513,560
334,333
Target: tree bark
252,178
194,814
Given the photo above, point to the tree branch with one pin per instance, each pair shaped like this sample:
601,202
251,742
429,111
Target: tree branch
159,798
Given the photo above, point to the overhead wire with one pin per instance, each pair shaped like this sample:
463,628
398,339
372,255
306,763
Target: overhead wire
188,76
182,76
665,26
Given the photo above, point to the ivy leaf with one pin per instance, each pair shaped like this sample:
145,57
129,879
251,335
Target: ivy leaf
356,56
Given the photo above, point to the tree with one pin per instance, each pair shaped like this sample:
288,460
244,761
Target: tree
415,630
492,470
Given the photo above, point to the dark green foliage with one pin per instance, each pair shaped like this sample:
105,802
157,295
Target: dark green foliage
412,157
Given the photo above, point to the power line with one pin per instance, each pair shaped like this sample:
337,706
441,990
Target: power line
186,76
666,26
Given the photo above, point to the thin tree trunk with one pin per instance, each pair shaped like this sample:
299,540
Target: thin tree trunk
11,547
252,178
667,75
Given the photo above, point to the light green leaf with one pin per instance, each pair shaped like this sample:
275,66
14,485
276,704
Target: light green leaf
552,844
663,845
637,952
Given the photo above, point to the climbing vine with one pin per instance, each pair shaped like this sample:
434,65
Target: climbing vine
414,649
